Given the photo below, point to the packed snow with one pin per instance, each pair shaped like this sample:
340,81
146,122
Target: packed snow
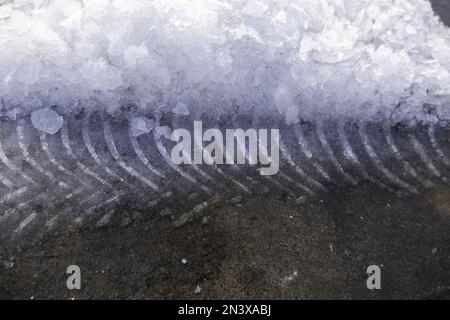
299,58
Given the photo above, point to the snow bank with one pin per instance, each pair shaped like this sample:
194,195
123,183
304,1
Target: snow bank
357,58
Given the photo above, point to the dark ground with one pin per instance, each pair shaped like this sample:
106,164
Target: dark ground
261,247
257,248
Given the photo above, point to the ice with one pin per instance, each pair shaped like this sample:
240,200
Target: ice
47,120
163,131
140,126
12,114
134,55
283,99
198,290
181,109
255,8
300,58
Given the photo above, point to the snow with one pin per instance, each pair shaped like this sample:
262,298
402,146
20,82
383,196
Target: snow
300,58
13,113
181,109
47,120
140,126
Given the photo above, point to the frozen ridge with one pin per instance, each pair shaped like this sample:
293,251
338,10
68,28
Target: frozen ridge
100,170
366,59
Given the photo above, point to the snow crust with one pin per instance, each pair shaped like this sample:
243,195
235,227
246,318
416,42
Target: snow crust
387,59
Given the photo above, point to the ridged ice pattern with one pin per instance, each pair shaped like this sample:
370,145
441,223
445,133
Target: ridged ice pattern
93,170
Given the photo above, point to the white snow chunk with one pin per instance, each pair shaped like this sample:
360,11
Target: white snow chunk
181,108
47,120
283,98
140,126
198,290
301,58
255,9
